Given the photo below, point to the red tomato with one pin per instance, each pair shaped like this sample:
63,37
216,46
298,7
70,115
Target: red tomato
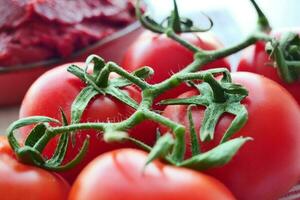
19,181
166,56
120,175
256,60
57,89
268,166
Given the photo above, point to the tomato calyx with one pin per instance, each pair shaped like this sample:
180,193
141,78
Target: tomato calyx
286,54
31,152
220,155
174,22
99,83
218,97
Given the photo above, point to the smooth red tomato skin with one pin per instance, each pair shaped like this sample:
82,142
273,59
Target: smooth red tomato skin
19,181
268,166
57,89
119,175
167,57
256,60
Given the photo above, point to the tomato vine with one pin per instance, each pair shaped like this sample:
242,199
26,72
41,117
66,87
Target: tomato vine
218,96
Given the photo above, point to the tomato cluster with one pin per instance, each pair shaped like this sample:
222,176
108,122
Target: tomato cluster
265,168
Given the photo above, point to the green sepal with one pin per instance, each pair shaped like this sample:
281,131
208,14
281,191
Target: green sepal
121,96
36,133
195,147
64,119
161,148
80,103
174,20
158,134
187,25
200,100
31,156
56,166
142,73
76,71
24,122
61,148
98,62
262,22
236,89
241,118
178,151
146,20
211,117
216,157
229,103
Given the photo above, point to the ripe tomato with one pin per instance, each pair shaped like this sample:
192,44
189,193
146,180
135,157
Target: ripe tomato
57,89
256,60
268,166
120,175
166,56
19,181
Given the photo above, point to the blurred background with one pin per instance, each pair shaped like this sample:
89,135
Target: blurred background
233,20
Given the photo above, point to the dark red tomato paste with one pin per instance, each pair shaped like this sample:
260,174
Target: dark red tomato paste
35,30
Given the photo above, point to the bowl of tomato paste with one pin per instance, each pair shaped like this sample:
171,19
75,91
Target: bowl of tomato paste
36,35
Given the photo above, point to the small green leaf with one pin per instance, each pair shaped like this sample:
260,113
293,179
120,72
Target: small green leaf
36,133
216,157
161,148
